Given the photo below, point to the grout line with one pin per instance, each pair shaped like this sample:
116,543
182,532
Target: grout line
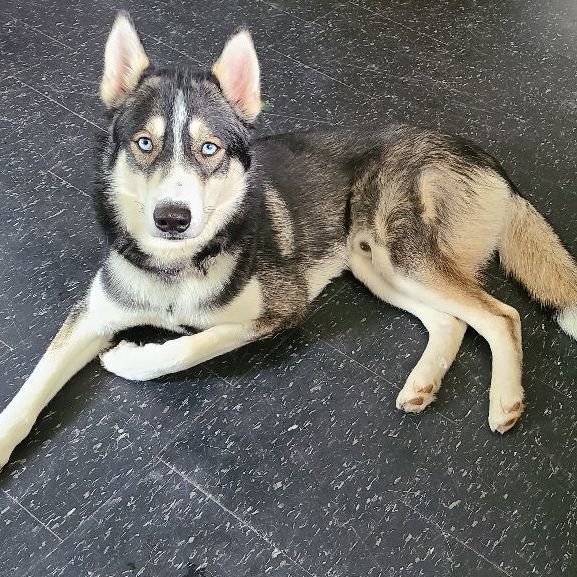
324,15
311,333
106,502
159,41
68,183
292,15
32,515
60,104
362,542
90,517
6,345
449,536
29,26
354,89
24,69
387,18
230,512
83,522
328,122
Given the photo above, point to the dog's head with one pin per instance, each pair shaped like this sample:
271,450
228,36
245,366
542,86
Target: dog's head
178,146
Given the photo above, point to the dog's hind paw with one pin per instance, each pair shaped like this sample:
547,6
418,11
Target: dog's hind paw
133,362
504,411
416,396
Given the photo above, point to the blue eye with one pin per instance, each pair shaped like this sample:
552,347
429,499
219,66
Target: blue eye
145,144
209,149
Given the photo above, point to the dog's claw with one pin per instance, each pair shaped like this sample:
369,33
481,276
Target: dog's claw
506,426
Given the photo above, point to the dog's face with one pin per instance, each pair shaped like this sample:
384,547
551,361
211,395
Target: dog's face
179,141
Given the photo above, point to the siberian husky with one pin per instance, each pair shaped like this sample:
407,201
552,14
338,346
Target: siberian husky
209,229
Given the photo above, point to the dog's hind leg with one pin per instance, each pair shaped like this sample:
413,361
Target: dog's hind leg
445,336
444,288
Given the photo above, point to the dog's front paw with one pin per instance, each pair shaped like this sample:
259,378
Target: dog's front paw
133,362
5,452
12,432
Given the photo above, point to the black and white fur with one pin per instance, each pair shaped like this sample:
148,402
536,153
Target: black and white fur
235,238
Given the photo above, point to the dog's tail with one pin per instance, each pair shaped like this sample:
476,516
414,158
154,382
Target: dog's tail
532,253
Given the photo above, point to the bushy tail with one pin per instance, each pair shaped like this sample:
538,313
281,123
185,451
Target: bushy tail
532,253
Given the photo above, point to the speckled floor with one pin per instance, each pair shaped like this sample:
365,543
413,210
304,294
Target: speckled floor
288,458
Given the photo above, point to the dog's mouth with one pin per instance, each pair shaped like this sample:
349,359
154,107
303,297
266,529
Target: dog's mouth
172,236
176,236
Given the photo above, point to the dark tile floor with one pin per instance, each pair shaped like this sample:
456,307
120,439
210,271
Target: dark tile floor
288,458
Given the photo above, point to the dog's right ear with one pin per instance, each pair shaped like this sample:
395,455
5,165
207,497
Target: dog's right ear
124,62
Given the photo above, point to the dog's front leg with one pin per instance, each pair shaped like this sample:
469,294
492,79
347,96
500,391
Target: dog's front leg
86,332
141,363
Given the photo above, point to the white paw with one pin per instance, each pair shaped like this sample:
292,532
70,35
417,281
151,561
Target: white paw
416,395
13,430
505,408
5,453
134,363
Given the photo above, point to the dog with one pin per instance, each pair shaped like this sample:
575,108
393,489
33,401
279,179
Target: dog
209,229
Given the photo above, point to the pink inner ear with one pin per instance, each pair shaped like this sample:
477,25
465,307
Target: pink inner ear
125,72
238,73
239,85
124,61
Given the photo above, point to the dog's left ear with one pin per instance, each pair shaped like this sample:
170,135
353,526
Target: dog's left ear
238,73
124,62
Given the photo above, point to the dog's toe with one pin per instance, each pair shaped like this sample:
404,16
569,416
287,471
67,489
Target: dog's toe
415,397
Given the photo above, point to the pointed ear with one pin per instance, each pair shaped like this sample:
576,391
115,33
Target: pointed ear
124,62
238,73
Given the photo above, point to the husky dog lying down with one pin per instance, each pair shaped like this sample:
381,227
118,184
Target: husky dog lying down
234,237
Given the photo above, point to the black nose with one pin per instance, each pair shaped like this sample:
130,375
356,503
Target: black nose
172,217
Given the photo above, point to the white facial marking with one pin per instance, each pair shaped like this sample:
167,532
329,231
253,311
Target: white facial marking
197,129
182,186
179,118
156,126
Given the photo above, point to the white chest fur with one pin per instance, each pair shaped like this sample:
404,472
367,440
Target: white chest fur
187,301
